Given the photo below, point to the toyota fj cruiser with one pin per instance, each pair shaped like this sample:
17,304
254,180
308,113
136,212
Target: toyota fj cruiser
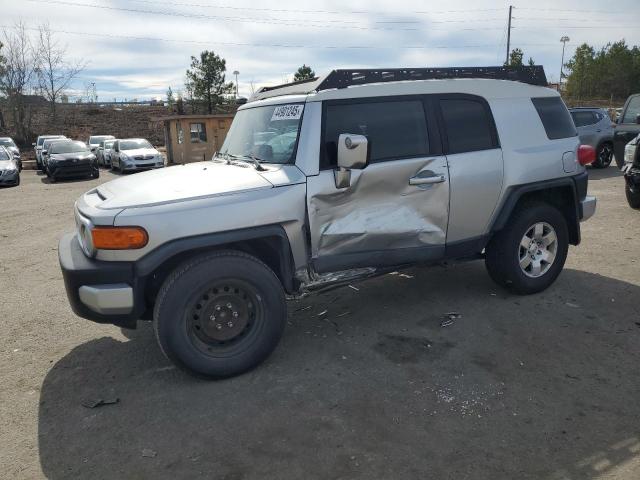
325,181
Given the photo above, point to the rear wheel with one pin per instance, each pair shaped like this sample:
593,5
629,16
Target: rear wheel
220,314
528,254
633,196
604,156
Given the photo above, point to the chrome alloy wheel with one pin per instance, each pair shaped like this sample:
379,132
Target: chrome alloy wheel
537,249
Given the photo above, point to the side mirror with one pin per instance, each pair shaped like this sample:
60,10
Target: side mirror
353,152
33,144
44,152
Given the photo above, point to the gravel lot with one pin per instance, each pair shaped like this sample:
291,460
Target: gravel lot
539,387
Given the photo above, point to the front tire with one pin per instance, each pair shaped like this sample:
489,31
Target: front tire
604,156
633,196
220,314
528,254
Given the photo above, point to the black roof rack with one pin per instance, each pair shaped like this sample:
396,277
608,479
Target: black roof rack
533,75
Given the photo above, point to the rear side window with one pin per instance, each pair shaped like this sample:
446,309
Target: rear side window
395,129
555,117
582,119
632,111
468,124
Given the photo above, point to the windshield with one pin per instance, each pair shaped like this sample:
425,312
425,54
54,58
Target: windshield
4,155
134,144
268,133
109,144
41,140
68,147
98,138
7,142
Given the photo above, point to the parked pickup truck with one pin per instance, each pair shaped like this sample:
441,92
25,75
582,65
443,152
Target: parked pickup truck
324,182
627,127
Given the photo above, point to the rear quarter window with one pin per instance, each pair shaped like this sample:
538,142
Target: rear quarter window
468,124
555,117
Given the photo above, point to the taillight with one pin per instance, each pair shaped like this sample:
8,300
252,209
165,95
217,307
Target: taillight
586,154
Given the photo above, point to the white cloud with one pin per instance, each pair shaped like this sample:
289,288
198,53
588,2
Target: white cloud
124,67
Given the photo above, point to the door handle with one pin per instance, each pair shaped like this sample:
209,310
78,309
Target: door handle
426,180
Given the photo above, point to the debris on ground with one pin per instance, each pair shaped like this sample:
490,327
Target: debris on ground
99,402
324,312
449,318
148,453
355,288
572,305
343,314
302,309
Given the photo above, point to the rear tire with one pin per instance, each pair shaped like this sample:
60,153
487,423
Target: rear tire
604,155
220,314
528,254
633,196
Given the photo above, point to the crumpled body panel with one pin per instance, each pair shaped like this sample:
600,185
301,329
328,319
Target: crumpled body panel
380,210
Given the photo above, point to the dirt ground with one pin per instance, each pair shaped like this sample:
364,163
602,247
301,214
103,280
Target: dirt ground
538,387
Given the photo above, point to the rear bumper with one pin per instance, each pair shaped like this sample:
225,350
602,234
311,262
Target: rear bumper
587,207
104,292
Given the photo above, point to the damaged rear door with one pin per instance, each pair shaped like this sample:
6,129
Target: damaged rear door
396,209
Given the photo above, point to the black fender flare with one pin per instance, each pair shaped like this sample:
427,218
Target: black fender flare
146,265
576,184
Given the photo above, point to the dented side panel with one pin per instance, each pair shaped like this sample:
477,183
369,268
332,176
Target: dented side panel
380,210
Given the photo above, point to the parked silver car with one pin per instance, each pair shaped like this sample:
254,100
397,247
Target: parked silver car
134,155
104,151
596,129
11,146
318,186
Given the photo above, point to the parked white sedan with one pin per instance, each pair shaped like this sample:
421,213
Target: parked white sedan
135,154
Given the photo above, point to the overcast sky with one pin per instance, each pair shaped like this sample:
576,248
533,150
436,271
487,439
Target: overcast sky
267,41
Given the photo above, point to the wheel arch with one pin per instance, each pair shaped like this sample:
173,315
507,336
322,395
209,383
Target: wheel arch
564,194
270,244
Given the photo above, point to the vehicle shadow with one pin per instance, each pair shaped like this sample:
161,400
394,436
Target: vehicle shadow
604,173
47,181
367,384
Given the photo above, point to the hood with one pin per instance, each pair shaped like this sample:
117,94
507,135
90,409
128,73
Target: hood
67,156
8,165
179,183
140,151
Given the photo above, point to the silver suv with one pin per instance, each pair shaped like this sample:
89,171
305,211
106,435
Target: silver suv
595,128
324,182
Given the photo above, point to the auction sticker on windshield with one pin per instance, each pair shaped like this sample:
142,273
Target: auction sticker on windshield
287,112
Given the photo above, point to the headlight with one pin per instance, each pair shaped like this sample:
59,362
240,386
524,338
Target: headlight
629,152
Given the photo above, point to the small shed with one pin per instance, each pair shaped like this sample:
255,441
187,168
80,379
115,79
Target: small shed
193,138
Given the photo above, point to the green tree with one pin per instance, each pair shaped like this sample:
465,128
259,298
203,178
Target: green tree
206,79
515,58
170,99
303,73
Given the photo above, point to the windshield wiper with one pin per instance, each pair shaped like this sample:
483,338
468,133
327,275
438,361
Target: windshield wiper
255,161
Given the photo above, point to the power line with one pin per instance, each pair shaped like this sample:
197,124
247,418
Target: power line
279,45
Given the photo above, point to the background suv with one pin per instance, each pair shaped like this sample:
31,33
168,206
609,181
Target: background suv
596,129
627,127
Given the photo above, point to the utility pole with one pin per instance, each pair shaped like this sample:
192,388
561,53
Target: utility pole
564,40
236,73
506,62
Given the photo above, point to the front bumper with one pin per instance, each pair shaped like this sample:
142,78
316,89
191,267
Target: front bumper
104,292
141,166
71,170
9,179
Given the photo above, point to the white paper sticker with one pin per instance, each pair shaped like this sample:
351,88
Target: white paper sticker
287,112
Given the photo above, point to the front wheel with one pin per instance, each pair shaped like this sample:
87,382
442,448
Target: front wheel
604,156
220,314
633,196
528,254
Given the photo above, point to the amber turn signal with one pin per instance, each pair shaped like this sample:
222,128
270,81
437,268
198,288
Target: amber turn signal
119,238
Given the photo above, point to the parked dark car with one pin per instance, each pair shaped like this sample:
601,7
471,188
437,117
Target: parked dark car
596,129
10,145
9,171
631,169
70,158
627,127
